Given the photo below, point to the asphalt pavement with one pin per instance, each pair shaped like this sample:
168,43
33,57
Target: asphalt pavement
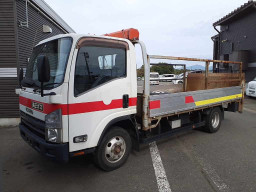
192,161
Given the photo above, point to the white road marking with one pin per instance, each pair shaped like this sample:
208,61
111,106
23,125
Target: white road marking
162,182
207,169
249,110
219,183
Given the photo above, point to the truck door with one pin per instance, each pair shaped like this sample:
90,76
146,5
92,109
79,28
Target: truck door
101,88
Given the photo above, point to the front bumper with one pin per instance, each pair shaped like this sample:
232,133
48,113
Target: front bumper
251,92
154,82
58,152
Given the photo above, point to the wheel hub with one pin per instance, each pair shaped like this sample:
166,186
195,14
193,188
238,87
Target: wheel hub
115,149
215,120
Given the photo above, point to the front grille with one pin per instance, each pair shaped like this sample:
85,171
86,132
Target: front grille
36,126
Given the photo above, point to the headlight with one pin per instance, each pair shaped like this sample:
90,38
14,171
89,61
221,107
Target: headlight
53,124
54,135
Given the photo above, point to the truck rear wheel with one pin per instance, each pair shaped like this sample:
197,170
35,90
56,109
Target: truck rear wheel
213,120
114,149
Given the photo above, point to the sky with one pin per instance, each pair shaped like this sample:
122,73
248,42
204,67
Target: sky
167,27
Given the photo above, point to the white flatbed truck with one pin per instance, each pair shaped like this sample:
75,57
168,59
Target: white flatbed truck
154,78
79,96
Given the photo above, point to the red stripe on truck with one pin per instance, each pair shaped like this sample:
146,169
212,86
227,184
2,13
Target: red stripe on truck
133,101
76,108
189,99
47,108
155,104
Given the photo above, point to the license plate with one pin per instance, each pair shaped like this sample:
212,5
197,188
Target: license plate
37,106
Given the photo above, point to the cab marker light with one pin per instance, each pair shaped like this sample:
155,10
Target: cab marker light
79,153
79,139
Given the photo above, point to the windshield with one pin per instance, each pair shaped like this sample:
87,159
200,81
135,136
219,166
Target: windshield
57,52
154,75
168,75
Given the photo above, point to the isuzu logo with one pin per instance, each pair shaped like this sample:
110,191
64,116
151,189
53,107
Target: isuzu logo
29,110
37,106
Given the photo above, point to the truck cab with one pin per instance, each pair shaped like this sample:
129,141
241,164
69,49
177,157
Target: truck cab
154,78
92,84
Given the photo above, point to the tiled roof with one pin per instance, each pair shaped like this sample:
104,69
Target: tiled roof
235,12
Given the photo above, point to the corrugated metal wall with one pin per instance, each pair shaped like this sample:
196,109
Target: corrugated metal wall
7,34
16,44
29,37
8,60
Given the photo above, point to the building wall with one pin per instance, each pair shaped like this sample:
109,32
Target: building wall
241,33
16,44
238,38
29,37
8,60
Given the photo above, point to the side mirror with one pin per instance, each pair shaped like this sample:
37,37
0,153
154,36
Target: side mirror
43,69
20,76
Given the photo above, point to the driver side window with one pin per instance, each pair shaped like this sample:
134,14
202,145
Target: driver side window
97,65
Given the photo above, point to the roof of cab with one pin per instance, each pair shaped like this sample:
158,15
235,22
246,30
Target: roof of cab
78,36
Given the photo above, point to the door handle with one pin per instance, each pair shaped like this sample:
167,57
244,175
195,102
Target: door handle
125,101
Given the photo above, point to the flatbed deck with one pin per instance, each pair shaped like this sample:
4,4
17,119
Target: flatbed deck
198,91
174,103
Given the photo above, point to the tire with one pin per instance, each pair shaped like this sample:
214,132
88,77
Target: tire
213,120
114,149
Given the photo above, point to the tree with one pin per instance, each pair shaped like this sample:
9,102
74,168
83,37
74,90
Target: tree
140,71
162,68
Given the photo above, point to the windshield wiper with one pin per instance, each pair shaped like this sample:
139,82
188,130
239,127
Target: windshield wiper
86,57
46,85
49,84
28,83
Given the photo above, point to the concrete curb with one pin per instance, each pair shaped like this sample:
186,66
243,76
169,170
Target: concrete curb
9,122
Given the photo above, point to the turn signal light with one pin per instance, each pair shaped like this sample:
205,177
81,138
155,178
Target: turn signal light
79,139
79,153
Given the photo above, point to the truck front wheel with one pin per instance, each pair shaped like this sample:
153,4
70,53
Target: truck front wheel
114,149
213,120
